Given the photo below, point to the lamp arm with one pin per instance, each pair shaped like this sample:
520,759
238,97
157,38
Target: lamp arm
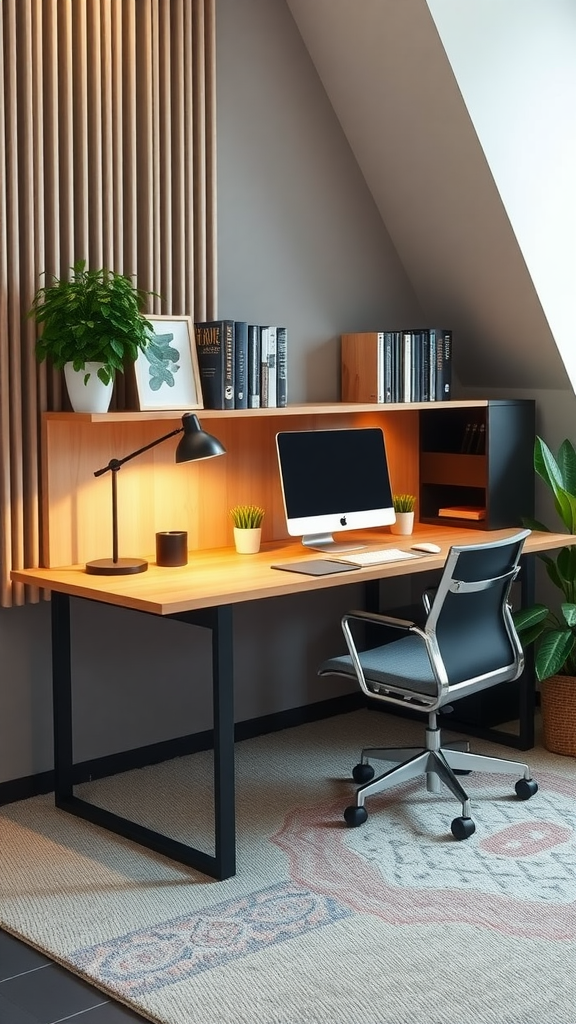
115,464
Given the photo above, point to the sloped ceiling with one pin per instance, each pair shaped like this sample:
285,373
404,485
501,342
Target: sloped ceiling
393,90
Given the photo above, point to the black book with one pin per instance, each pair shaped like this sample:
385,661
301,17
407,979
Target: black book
254,372
388,369
240,364
215,349
281,367
443,365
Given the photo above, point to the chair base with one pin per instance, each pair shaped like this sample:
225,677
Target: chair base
439,763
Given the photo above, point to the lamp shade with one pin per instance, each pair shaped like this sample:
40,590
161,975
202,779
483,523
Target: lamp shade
195,442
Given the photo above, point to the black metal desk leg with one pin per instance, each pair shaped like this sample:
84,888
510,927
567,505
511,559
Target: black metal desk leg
62,697
223,704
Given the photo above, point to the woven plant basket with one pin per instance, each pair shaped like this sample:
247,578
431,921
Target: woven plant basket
558,705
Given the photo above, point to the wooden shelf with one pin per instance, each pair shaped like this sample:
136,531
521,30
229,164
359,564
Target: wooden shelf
155,495
303,409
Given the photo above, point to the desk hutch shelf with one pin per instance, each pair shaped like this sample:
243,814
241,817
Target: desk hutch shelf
423,443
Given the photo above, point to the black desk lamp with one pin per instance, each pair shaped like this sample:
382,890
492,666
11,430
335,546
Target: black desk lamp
196,444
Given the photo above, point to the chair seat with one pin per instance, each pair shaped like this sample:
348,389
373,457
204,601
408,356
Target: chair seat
403,663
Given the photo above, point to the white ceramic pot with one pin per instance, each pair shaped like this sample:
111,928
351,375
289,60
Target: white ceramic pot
94,396
247,541
404,523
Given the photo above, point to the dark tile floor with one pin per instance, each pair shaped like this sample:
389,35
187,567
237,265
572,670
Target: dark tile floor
34,990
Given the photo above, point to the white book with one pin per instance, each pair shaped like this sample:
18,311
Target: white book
272,379
264,378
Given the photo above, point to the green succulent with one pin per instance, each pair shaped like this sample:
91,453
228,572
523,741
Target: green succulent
403,502
247,517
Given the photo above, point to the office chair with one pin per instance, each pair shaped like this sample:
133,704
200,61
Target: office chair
466,644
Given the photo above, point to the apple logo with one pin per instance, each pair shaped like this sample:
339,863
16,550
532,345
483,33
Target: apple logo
343,521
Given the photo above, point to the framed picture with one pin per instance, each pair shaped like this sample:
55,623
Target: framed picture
167,373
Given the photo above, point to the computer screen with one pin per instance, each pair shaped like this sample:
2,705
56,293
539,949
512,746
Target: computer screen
334,480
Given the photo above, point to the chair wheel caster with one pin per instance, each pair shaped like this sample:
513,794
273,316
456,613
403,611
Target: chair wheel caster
463,828
354,816
525,788
362,773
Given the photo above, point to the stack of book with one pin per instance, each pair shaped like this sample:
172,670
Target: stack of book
242,365
397,366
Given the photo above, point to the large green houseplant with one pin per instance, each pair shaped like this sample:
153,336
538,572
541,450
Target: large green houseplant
93,316
553,632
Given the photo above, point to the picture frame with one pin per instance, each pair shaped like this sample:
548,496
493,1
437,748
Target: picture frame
167,370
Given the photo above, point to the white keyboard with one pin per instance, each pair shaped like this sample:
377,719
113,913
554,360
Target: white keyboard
379,557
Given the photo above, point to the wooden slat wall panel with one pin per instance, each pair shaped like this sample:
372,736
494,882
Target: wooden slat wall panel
107,153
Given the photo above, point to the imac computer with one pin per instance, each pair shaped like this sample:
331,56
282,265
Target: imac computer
334,480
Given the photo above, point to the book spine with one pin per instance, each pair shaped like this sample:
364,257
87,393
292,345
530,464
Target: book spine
254,371
264,334
281,367
272,379
240,364
444,366
380,368
406,366
209,337
388,366
228,333
396,366
424,367
432,342
415,382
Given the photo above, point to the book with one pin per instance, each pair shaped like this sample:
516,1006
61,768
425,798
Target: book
240,364
406,378
362,361
254,371
463,512
443,364
281,367
215,350
388,388
272,380
264,336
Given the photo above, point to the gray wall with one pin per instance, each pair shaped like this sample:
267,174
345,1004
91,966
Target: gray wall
300,243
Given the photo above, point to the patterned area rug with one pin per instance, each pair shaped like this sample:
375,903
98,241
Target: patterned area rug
389,923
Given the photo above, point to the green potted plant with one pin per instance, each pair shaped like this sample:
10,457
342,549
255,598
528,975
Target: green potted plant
92,325
404,505
247,521
553,632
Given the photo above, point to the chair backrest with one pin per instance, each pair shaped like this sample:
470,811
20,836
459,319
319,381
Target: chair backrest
470,620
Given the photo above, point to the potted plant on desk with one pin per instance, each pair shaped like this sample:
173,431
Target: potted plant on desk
553,633
92,325
404,505
247,521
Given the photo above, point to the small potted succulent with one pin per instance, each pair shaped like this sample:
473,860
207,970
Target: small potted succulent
92,325
404,505
247,521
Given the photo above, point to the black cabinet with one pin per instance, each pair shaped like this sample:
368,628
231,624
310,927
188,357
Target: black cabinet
479,457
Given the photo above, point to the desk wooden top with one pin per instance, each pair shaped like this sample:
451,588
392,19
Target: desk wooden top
220,576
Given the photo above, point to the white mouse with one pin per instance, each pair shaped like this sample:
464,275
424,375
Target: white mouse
430,549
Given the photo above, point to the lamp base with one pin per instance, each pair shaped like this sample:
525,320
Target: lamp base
123,567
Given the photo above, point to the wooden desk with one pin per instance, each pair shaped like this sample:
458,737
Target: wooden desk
203,593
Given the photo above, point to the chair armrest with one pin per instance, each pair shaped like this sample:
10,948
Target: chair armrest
378,619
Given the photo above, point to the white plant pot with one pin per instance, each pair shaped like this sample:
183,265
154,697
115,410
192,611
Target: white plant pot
94,396
247,541
404,523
